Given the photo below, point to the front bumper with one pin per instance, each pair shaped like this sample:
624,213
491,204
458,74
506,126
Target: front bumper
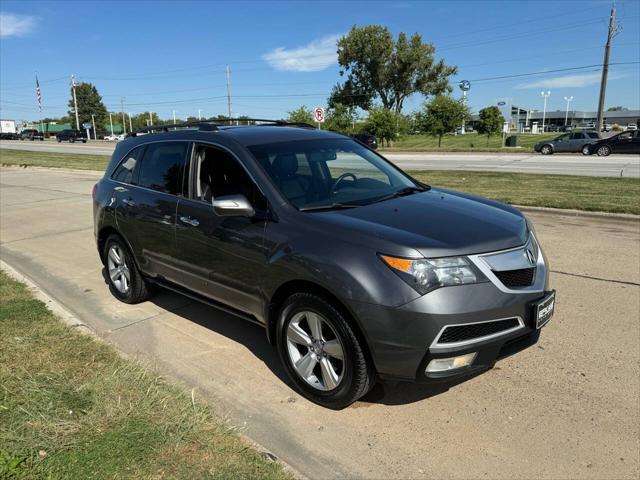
404,339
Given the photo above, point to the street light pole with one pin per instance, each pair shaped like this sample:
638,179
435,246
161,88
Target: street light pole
566,114
130,125
199,114
111,123
75,101
93,120
174,117
544,110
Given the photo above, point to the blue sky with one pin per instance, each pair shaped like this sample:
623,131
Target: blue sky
165,56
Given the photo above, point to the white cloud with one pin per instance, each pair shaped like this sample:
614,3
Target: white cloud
568,81
315,56
12,25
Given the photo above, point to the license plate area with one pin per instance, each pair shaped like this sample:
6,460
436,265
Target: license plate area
543,309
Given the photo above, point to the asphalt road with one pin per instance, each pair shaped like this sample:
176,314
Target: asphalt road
562,164
565,408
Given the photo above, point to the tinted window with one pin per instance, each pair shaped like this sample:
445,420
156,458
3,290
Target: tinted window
625,136
163,166
124,172
592,135
577,136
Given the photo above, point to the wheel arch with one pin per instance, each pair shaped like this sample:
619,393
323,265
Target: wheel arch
287,289
103,234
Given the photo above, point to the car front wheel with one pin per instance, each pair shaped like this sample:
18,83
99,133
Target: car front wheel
604,151
321,353
125,280
585,150
546,150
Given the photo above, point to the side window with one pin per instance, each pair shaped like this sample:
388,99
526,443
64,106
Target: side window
124,172
592,135
219,174
577,136
163,167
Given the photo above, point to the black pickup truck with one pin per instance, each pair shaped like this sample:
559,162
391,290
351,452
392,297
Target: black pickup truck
71,135
31,134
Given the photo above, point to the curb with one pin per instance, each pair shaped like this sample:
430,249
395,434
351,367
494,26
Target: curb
71,320
53,305
622,217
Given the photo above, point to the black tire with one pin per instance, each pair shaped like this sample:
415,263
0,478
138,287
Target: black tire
357,376
586,150
84,141
546,150
72,140
139,288
59,140
604,151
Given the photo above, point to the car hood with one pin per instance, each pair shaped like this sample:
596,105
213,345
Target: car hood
435,223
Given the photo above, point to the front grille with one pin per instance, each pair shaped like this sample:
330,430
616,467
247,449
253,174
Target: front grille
461,333
516,278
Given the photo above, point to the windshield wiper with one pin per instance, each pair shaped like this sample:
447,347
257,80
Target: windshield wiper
332,206
400,193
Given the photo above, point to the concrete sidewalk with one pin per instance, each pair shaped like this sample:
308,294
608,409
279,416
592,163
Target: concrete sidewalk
566,408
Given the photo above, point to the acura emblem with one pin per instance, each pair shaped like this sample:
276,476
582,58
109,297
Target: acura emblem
529,254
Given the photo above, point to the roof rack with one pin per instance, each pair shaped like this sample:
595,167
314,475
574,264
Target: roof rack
212,125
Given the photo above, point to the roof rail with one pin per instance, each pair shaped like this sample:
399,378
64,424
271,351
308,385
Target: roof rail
212,125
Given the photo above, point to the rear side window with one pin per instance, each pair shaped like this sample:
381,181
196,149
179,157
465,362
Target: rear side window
124,172
592,135
163,167
577,136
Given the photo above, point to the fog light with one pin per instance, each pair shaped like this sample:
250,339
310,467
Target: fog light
451,363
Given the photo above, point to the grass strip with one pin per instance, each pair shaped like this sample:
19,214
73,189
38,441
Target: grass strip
72,408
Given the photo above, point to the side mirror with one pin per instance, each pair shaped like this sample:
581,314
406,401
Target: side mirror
233,206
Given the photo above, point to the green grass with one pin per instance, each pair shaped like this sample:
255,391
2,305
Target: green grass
471,142
25,158
72,408
600,194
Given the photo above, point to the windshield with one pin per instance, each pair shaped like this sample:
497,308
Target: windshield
332,172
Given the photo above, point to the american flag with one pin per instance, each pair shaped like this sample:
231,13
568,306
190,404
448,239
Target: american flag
38,94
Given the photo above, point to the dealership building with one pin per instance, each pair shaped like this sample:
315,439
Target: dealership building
524,119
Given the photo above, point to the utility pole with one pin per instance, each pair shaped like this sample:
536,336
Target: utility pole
228,92
544,110
199,114
174,117
93,120
612,31
124,122
111,123
566,114
75,101
130,126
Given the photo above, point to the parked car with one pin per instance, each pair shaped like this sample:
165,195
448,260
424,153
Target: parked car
111,138
566,128
71,135
356,270
631,126
553,128
31,134
569,142
368,139
625,142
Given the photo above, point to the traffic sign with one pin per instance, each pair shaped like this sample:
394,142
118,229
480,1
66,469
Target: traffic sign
86,125
318,114
465,85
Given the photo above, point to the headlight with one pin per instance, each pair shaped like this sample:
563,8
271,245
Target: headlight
426,274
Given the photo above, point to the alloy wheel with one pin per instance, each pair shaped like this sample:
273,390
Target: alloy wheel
118,270
315,350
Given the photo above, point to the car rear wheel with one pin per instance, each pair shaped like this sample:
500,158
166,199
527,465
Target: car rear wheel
125,281
585,150
604,151
59,140
321,353
546,150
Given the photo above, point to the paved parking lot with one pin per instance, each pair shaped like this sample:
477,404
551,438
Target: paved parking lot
561,164
566,408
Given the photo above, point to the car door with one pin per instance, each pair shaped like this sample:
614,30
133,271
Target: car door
146,206
562,143
576,142
222,258
623,143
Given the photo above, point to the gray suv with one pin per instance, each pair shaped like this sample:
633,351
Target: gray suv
569,143
355,270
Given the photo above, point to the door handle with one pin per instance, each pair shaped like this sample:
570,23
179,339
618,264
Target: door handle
128,202
167,220
190,221
121,189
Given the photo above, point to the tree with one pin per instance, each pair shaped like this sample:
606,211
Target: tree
301,115
442,115
377,67
491,122
340,118
89,103
382,123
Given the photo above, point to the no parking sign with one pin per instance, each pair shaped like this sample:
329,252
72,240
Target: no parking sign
318,114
